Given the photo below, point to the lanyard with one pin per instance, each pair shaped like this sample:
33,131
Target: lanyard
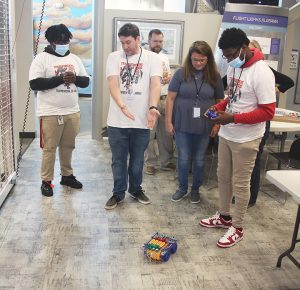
237,83
198,90
129,69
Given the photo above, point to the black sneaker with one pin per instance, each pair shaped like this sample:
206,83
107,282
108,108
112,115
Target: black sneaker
195,196
141,197
179,195
71,181
113,202
46,188
251,203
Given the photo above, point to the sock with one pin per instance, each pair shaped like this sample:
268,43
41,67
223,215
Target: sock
226,217
48,183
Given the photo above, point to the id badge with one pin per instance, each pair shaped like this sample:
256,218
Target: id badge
60,120
196,112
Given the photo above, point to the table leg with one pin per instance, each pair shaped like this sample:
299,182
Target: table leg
283,138
282,143
294,241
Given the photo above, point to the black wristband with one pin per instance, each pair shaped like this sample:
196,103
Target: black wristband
153,107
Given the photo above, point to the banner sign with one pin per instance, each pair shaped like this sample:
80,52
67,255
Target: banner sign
256,19
269,30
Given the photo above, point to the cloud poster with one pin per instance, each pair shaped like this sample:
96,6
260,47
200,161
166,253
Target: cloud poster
77,16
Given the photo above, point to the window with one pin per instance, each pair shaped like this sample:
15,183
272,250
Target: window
7,164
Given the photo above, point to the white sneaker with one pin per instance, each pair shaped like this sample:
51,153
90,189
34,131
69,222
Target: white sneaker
216,221
232,237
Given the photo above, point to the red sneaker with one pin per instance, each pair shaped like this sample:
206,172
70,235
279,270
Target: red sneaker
216,221
232,237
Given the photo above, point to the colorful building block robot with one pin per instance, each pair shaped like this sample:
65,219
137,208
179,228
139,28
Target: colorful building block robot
160,247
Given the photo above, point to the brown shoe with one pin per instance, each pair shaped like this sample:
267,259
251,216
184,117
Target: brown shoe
170,166
150,170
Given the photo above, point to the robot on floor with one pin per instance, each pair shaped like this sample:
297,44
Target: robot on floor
160,247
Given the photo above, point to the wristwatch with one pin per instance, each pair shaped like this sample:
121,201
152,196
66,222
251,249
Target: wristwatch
153,107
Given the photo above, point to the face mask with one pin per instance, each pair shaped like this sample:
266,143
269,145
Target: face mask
61,49
237,62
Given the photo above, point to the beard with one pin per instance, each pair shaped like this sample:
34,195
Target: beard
156,49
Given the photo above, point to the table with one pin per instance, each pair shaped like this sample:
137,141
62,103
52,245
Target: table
288,181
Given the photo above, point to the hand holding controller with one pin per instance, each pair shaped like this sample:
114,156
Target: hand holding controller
211,114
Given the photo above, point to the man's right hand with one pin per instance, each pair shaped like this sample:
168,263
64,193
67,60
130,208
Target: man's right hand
125,111
212,108
69,77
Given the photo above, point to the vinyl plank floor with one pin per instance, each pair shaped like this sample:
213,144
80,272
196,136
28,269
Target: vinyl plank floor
70,241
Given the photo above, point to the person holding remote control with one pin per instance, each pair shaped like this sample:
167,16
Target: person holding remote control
193,89
251,102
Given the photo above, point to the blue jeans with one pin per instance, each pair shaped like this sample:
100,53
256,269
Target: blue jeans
124,141
191,148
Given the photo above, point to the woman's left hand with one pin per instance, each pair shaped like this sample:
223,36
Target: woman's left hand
215,130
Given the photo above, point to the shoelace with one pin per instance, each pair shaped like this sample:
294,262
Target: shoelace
215,216
230,232
50,184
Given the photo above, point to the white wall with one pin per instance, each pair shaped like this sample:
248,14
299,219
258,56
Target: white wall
174,5
161,5
292,42
23,51
197,27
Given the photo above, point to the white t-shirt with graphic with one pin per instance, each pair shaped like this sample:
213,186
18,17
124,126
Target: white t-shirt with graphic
134,86
252,86
165,71
62,100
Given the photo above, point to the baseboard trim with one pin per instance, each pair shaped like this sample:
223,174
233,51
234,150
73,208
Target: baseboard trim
27,135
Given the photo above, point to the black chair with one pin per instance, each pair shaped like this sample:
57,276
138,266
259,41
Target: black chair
290,159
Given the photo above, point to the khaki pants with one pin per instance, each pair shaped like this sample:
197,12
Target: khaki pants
62,136
164,140
235,165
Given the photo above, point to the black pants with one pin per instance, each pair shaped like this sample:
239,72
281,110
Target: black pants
255,177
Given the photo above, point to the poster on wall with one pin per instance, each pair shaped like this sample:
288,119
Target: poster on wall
77,16
172,30
294,59
267,25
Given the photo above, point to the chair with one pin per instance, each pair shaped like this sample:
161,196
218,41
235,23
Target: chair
290,159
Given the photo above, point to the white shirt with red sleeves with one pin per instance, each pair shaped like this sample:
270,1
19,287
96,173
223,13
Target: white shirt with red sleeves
248,87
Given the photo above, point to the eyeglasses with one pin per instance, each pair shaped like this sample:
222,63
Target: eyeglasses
232,56
201,60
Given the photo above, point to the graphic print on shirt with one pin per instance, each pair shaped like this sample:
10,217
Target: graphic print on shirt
165,71
234,94
60,70
130,75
